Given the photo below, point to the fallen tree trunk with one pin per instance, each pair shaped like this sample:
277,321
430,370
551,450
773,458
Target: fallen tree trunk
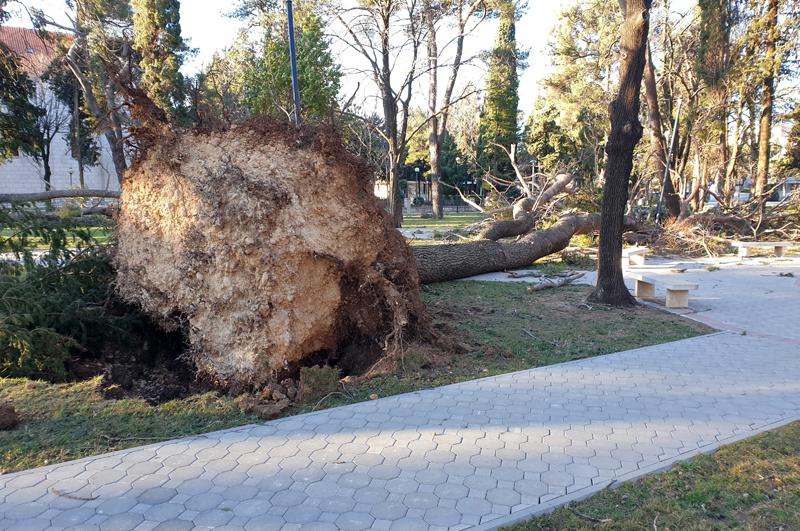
56,194
526,212
438,263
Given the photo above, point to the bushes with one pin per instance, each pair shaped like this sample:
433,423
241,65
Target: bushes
55,301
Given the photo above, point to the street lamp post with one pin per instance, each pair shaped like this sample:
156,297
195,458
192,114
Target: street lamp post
293,61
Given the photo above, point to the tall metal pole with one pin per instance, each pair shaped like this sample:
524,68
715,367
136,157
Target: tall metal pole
293,60
669,160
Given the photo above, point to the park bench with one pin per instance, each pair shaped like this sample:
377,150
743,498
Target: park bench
744,247
633,256
677,291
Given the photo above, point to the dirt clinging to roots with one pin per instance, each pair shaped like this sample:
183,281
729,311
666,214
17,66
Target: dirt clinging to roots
268,249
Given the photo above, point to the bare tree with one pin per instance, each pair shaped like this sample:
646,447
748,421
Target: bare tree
767,101
388,34
97,44
466,15
53,121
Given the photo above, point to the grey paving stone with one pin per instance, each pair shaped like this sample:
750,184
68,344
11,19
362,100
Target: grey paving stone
354,521
389,510
213,518
121,522
421,500
301,514
73,517
157,495
174,525
265,523
164,511
439,516
371,495
507,497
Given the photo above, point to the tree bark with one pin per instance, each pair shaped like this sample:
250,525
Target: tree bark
768,95
56,194
434,145
625,133
658,144
107,120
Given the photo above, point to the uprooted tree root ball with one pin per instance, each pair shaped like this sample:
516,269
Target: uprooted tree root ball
266,247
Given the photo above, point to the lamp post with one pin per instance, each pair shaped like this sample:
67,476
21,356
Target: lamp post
416,172
293,61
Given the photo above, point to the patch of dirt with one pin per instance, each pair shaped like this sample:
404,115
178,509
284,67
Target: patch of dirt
8,417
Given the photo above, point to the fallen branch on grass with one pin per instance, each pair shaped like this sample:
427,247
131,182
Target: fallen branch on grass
547,283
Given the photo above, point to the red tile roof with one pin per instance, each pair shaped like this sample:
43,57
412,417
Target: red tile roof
35,53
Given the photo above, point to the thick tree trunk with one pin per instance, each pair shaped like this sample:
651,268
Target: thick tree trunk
768,95
730,169
433,122
438,263
56,194
625,133
658,144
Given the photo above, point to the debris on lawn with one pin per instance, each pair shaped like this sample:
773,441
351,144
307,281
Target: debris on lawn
318,382
8,417
562,280
266,410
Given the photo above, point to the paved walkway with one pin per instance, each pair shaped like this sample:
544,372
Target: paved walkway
476,454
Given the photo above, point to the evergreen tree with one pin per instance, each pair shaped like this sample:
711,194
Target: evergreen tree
498,128
574,108
791,160
157,39
269,80
547,142
18,116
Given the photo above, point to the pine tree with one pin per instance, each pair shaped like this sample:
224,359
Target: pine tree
269,81
157,39
498,127
791,160
18,116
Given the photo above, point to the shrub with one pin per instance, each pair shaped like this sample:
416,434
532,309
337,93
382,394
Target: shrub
577,259
57,302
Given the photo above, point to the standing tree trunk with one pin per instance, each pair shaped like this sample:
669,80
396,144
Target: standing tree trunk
625,133
768,95
437,124
658,144
434,145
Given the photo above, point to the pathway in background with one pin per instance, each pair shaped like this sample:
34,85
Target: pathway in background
475,454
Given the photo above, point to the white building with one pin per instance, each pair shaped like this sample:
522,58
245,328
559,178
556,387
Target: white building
24,174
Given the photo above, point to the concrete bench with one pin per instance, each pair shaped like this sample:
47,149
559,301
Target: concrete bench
633,256
677,291
778,247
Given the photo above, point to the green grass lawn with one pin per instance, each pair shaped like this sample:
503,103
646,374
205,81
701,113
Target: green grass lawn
752,484
450,221
72,420
507,327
